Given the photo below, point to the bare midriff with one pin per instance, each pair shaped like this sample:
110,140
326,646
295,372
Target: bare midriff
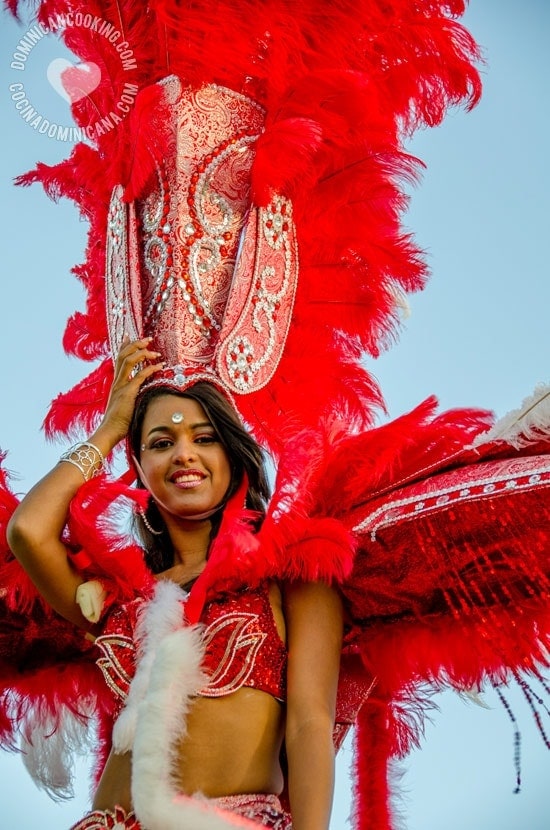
236,750
232,745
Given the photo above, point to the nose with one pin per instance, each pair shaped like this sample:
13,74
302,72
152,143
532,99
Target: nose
183,451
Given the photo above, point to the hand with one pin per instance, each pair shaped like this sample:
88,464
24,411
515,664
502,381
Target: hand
133,366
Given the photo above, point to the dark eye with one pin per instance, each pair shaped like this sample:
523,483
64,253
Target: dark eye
161,444
206,439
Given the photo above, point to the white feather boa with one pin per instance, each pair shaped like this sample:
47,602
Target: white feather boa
168,677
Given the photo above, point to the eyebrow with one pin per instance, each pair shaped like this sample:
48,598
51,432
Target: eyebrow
168,428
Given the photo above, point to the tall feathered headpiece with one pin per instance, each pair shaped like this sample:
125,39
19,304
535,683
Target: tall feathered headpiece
243,179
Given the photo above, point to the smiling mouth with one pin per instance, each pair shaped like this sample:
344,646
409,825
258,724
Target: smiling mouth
187,481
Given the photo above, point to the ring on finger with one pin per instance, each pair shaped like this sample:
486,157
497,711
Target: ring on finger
136,370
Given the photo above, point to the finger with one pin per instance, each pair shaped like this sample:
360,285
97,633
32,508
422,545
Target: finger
129,347
140,355
140,373
130,365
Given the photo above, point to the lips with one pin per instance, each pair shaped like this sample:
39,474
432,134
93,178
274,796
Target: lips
187,479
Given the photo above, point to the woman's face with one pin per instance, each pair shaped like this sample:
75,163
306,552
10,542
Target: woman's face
185,466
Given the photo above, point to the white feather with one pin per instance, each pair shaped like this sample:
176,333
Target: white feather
474,695
175,679
167,679
525,426
163,615
49,747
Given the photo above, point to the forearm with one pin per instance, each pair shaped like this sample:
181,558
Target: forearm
36,527
310,754
42,514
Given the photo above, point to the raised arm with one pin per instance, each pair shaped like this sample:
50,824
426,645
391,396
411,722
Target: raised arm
313,613
36,528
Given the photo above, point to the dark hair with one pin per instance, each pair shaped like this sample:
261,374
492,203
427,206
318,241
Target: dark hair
244,453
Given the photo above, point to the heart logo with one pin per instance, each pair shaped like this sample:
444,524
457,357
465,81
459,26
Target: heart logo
73,81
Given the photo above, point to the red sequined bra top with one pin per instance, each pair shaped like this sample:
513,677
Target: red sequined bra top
242,646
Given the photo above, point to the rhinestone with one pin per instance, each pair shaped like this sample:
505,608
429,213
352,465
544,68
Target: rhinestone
166,228
179,379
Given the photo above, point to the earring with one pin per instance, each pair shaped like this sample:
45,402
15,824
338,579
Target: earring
147,523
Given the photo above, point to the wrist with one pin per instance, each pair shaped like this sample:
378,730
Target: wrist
89,456
105,439
86,457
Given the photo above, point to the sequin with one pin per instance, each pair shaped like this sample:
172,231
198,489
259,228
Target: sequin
264,808
243,646
116,819
443,491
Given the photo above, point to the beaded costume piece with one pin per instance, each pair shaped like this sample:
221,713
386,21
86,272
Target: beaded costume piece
212,279
116,819
265,809
241,642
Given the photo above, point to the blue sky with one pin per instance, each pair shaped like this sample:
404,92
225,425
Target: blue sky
477,336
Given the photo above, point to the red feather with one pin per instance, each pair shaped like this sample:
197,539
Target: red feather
342,84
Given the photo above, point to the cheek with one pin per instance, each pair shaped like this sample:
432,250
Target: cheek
151,470
225,472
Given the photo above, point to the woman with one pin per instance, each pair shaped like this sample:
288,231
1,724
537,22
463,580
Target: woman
232,741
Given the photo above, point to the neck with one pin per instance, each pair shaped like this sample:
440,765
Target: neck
190,541
190,544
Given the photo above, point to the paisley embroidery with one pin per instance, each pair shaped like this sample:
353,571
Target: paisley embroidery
242,638
242,647
116,819
212,276
118,662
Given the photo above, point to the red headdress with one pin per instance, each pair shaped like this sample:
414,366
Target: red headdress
255,179
193,263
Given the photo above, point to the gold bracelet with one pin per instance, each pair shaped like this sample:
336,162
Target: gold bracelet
85,456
